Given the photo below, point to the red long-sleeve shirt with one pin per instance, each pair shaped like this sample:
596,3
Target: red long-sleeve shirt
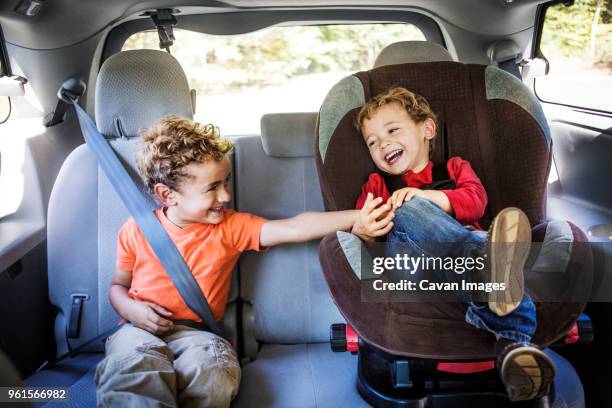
468,199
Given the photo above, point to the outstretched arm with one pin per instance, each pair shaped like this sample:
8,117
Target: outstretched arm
375,219
306,226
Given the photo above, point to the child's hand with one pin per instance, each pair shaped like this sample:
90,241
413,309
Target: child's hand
148,316
399,197
374,222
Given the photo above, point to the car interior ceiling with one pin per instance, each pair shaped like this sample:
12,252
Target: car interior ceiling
73,39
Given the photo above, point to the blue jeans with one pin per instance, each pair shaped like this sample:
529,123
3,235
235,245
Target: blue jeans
419,223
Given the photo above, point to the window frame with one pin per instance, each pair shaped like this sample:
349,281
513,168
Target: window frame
5,71
5,67
429,26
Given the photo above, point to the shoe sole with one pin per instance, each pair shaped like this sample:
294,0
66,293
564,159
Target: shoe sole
507,261
527,373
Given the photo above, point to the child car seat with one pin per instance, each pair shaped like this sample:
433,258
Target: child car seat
487,117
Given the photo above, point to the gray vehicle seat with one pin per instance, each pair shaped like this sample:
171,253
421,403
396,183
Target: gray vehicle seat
411,51
287,309
134,89
285,298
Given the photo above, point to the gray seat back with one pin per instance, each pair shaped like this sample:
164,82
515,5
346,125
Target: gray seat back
134,89
411,51
285,297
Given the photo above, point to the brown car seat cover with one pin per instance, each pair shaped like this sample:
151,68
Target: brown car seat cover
485,117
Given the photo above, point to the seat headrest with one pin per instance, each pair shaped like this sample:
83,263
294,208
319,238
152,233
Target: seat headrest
504,50
289,134
136,88
411,51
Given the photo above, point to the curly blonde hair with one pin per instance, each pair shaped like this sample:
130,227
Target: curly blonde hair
415,105
173,143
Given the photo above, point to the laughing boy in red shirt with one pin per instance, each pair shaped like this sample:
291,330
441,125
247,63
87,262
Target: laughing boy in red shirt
399,129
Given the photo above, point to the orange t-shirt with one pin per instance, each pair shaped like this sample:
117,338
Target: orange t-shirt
210,251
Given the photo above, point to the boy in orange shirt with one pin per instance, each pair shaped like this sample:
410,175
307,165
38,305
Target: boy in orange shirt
160,357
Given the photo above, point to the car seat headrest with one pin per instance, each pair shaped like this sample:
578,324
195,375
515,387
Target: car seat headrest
485,115
289,134
411,51
136,88
504,50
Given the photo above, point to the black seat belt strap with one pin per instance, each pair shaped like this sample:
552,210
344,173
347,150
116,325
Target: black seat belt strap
99,338
440,180
510,66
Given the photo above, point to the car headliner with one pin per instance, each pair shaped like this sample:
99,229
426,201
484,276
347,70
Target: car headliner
62,23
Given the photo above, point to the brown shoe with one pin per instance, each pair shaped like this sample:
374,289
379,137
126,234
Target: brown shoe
526,371
508,244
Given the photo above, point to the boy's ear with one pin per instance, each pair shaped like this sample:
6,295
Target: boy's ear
429,126
165,195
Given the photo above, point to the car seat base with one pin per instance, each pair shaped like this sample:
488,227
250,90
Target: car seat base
387,381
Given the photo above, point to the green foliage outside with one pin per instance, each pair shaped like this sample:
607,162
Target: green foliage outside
575,33
271,56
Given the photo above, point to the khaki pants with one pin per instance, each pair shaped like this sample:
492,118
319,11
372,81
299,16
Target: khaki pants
185,367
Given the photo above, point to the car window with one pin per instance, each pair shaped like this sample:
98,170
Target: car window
3,70
238,78
12,135
5,102
5,112
577,42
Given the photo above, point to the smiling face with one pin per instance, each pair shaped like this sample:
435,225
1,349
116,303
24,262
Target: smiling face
397,143
201,196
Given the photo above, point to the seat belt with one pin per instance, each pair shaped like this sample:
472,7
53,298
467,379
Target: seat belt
99,338
511,67
440,180
138,206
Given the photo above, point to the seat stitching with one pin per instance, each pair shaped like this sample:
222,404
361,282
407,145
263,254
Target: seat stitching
314,388
306,258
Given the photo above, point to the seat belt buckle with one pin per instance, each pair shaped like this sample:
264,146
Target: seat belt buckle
74,320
